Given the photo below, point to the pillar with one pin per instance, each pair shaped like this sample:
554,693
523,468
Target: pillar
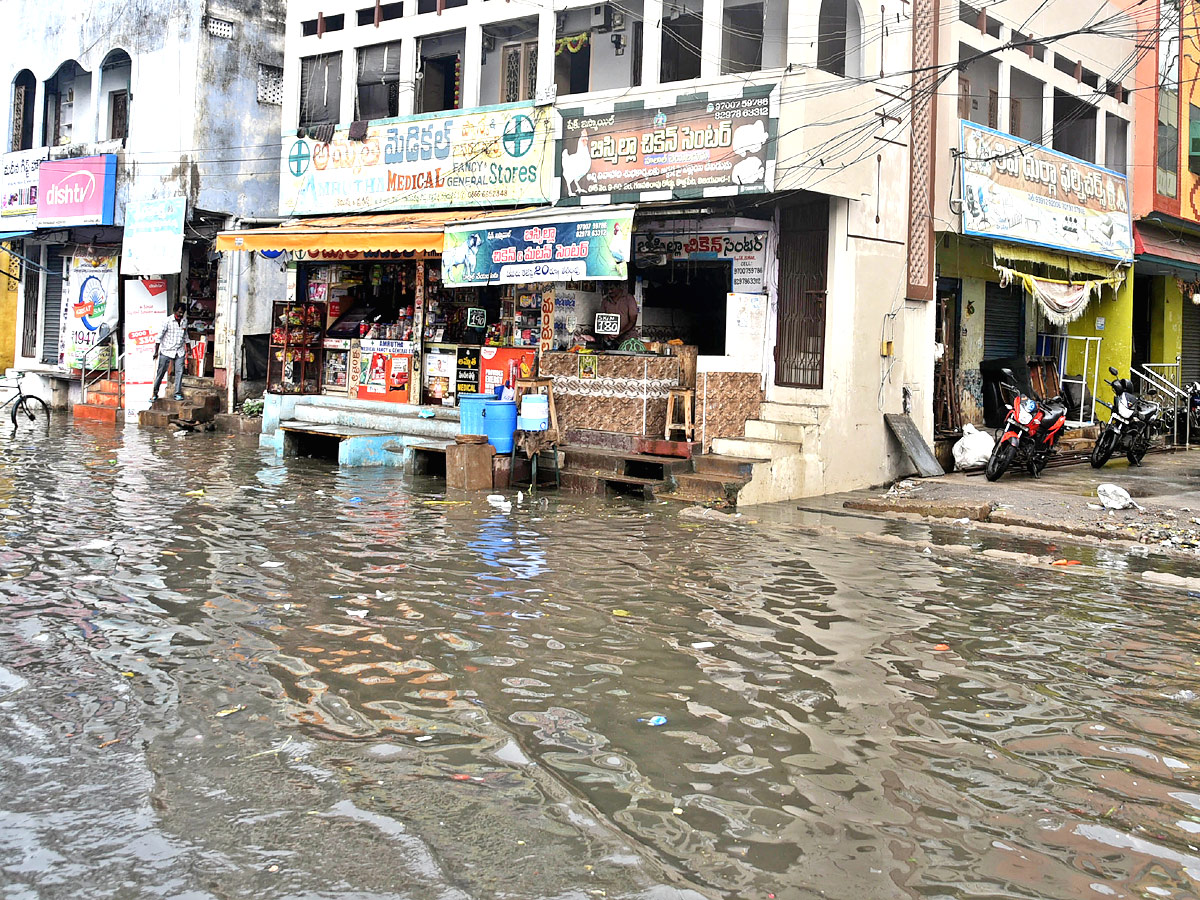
803,22
547,34
408,73
711,38
652,35
1004,90
1047,136
472,67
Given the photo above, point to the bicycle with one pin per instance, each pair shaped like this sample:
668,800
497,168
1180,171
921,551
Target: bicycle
26,406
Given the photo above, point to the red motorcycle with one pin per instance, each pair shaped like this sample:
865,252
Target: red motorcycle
1031,431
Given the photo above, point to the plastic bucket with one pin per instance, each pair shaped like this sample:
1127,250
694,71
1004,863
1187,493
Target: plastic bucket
526,423
500,421
535,412
470,413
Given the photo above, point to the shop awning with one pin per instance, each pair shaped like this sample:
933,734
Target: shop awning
419,232
1159,245
11,235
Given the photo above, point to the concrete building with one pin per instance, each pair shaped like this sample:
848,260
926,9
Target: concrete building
806,330
1031,204
169,114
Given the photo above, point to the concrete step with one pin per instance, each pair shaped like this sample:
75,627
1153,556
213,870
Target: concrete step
188,410
399,410
95,398
377,420
727,466
791,413
106,386
86,412
614,462
760,429
579,481
694,488
758,449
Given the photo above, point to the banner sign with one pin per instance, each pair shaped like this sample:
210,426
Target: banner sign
684,146
591,247
80,191
745,250
1028,194
19,188
145,312
92,303
497,155
467,370
153,239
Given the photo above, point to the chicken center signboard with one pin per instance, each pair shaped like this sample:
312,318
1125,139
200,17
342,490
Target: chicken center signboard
1029,194
494,156
670,147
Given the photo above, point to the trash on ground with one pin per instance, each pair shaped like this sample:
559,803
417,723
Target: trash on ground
654,721
1114,497
271,565
703,645
1066,562
621,612
710,515
941,648
973,449
229,712
195,493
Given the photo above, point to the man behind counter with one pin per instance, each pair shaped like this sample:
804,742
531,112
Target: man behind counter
618,301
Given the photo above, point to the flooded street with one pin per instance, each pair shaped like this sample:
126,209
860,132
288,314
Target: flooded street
225,677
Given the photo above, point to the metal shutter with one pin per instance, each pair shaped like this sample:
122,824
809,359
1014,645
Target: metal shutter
1191,341
1003,321
52,307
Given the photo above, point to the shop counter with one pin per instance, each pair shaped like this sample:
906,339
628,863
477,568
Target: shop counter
612,391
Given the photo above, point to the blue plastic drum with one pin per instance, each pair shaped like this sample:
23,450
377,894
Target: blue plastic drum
470,413
500,421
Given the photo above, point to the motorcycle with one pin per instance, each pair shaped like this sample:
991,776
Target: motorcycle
1130,427
1031,431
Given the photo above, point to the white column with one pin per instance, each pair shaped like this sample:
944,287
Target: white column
349,85
472,69
547,34
1004,90
802,23
1047,136
39,112
408,73
1101,136
652,35
95,124
710,39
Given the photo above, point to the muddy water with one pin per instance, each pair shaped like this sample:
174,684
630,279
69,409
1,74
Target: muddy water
313,683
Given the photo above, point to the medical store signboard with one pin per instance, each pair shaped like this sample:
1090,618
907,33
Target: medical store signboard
745,251
494,156
19,188
80,191
564,247
670,146
1025,193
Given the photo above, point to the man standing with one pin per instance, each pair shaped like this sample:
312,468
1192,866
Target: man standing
619,302
171,345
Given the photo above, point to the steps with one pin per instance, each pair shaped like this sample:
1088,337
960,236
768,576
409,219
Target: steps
200,405
104,402
599,471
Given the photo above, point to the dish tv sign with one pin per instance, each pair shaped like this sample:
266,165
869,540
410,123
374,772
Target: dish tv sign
79,191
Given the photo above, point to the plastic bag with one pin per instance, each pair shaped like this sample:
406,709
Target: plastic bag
973,448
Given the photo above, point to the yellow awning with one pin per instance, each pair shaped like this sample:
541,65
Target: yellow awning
414,232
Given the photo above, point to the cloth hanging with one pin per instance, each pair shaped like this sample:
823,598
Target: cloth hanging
1062,300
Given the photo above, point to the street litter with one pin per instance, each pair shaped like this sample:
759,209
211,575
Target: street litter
973,449
500,502
229,712
621,612
703,645
1114,497
423,738
941,648
1066,562
654,721
710,515
195,493
271,565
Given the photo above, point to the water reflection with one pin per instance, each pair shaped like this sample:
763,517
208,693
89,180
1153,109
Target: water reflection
304,681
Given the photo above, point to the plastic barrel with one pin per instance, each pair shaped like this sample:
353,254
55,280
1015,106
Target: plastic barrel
470,413
500,421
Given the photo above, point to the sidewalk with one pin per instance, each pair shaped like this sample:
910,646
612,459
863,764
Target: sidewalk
1063,500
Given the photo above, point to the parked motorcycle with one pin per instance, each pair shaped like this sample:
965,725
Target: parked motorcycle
1130,427
1031,431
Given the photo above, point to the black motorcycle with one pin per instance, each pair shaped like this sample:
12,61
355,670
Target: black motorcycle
1131,426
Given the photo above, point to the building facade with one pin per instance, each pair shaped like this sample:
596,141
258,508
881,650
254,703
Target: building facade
155,126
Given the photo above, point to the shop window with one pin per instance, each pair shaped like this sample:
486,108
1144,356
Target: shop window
441,83
320,89
742,38
518,67
1167,169
1194,139
681,38
839,38
686,300
385,11
118,115
24,91
573,63
378,94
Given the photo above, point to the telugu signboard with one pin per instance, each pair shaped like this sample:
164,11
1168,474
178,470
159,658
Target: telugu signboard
495,156
153,240
19,189
79,191
1028,194
681,147
587,246
746,251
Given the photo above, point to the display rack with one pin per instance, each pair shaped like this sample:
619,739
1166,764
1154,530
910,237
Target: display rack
295,359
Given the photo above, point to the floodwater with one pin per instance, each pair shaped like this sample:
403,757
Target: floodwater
312,683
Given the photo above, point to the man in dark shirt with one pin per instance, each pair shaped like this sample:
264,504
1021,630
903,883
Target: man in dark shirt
618,301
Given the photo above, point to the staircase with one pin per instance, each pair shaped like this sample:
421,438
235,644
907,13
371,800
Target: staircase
600,471
103,401
779,453
200,403
355,432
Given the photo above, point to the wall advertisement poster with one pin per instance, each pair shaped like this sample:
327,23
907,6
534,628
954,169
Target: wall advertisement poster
92,307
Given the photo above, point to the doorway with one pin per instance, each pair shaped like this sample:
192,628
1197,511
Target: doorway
803,276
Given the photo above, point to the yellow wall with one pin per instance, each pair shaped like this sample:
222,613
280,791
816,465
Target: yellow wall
9,292
1116,348
1166,320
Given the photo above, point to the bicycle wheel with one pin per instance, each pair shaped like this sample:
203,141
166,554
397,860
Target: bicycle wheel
30,410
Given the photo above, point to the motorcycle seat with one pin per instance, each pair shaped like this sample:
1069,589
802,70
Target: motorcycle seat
1054,408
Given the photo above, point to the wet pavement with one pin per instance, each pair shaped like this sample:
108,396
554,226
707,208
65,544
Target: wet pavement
305,682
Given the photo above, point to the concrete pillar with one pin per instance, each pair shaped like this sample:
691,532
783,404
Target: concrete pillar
408,73
1047,137
1004,89
803,20
472,66
1101,139
94,124
652,36
547,34
346,111
710,39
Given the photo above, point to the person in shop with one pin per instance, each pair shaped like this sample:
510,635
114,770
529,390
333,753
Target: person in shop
619,301
171,346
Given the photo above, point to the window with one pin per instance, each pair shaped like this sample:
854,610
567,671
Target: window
320,89
118,115
681,39
573,64
993,108
964,96
428,6
378,95
387,12
1014,117
24,90
270,84
839,38
742,38
1167,180
518,72
1194,139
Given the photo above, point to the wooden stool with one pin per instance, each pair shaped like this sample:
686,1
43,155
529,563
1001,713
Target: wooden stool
684,395
537,386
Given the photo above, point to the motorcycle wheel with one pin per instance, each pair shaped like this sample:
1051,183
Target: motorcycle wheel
1105,445
998,462
1135,453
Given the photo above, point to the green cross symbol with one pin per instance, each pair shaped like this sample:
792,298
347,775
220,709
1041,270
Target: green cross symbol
299,158
518,135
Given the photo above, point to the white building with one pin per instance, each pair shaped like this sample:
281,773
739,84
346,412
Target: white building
186,97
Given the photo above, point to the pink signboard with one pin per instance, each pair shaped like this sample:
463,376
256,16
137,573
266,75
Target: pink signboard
79,191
